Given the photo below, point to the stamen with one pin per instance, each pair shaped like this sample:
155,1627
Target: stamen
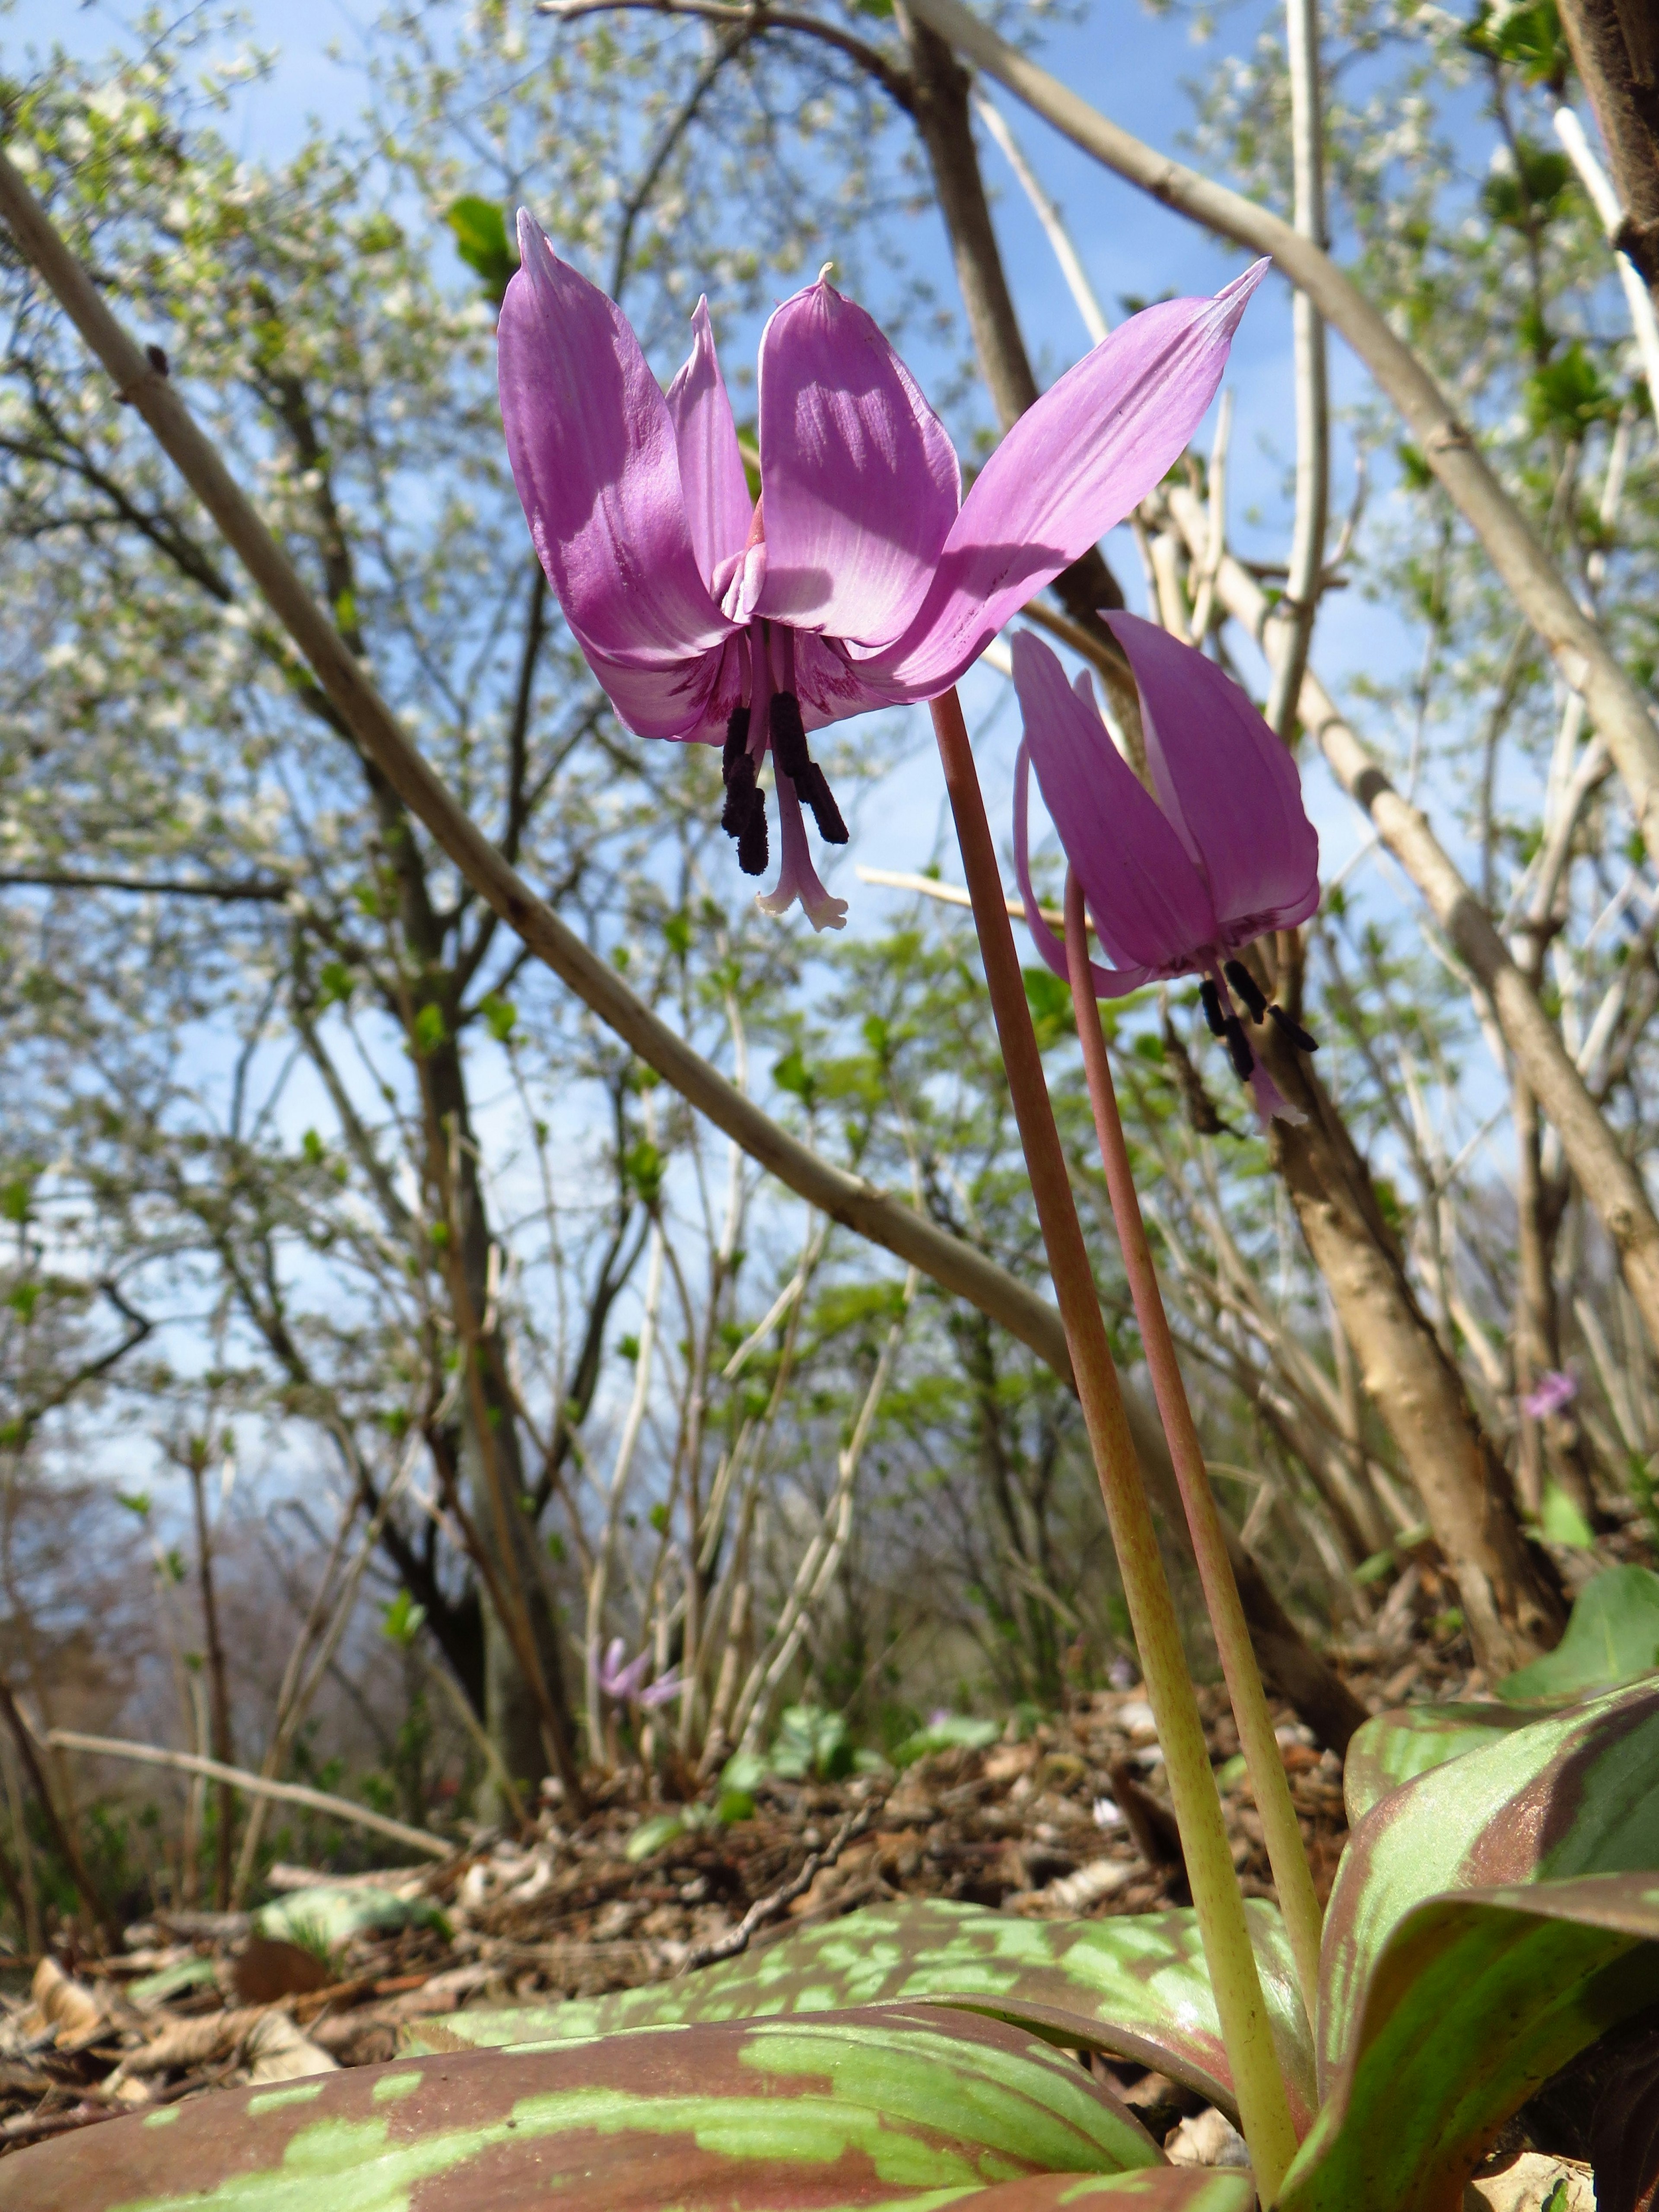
1210,999
739,771
753,855
789,735
1238,1048
1294,1030
1247,988
740,796
814,788
737,741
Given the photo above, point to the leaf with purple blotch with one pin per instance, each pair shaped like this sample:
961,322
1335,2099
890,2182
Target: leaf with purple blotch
889,2108
1135,1986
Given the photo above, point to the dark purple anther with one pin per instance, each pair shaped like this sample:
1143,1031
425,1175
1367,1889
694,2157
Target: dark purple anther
1238,1048
1247,988
1294,1030
752,841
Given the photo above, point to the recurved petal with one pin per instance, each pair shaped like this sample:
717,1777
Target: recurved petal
716,491
594,456
1227,784
687,698
1109,982
860,482
1071,467
1147,900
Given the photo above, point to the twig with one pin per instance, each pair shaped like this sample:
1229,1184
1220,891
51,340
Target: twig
736,1940
252,1785
1300,605
23,1737
1204,601
62,879
1049,215
898,879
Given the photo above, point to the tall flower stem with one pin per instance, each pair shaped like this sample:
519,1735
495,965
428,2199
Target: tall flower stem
1297,1900
1263,2108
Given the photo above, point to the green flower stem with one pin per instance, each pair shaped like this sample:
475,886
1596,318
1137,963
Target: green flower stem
1268,1782
1263,2107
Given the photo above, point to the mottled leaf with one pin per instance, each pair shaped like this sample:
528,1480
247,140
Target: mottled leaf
322,1919
1135,1986
1395,1747
884,2108
1613,1636
1474,2002
1574,1794
1154,2189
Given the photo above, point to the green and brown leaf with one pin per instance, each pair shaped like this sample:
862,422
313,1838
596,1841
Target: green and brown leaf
895,2107
1136,1987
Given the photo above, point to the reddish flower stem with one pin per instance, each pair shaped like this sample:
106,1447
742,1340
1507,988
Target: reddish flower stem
1263,2108
1271,1791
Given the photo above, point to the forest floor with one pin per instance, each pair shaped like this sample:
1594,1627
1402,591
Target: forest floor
1070,1821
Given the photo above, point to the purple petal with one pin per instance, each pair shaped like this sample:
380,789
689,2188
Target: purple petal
1553,1390
593,453
1071,467
1271,1103
690,698
1146,897
797,878
1228,785
1109,982
664,1687
716,491
860,483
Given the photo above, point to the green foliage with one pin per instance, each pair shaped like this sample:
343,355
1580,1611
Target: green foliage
482,241
811,1745
1612,1638
324,1919
1525,35
955,1732
401,1619
1569,393
501,1016
1053,1016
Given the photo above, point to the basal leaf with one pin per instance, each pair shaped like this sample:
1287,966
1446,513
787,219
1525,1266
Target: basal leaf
1154,2189
890,2108
1135,1986
1392,1749
1472,2003
323,1918
1613,1636
1576,1793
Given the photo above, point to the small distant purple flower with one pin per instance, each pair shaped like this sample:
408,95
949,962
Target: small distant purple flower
1552,1391
1178,885
665,1686
861,577
619,1681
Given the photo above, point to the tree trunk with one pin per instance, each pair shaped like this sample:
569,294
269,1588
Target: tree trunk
943,119
1510,1597
1615,47
1557,1437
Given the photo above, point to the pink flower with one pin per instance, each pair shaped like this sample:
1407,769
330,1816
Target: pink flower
1552,1392
625,1681
1177,885
861,577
